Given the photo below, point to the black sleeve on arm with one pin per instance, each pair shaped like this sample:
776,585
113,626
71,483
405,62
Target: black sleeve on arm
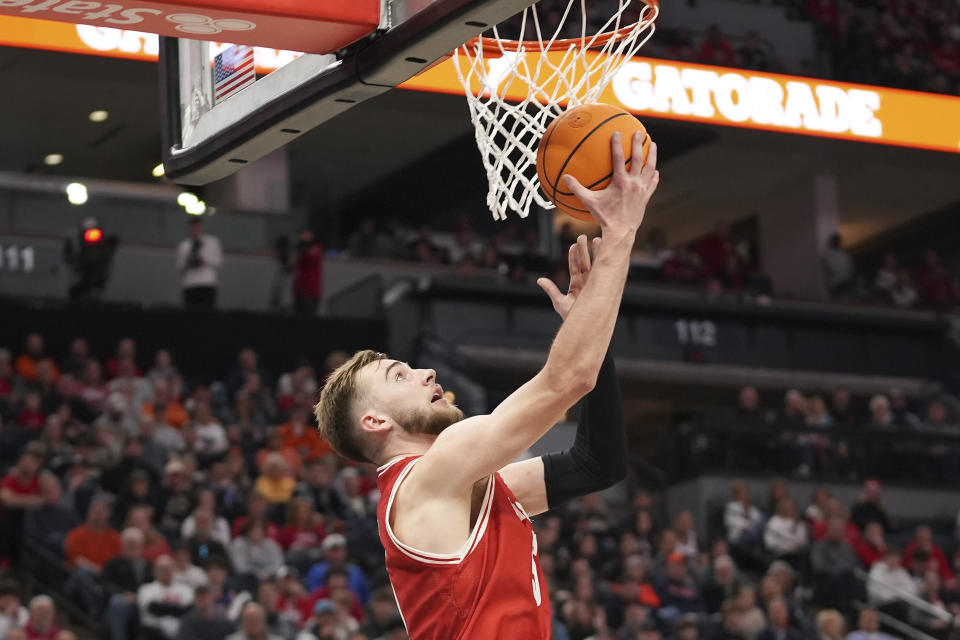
598,458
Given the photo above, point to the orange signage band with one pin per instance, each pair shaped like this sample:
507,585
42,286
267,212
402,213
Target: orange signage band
771,102
302,25
647,87
113,43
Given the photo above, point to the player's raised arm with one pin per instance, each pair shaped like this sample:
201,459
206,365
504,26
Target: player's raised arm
478,446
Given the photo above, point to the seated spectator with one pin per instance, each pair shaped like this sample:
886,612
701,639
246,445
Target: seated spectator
683,267
204,622
786,535
253,625
935,622
716,49
677,590
126,353
886,278
298,434
32,356
317,487
93,391
160,442
830,625
721,585
221,530
337,584
88,547
165,408
163,368
902,417
276,483
295,602
794,413
869,506
163,602
741,519
42,624
832,562
211,437
247,366
274,445
729,627
779,626
683,527
888,580
117,419
184,571
753,54
382,612
75,361
880,415
842,410
922,553
177,497
49,523
253,553
278,623
335,550
296,388
872,546
904,293
868,627
31,415
256,510
154,544
13,615
752,619
19,491
202,543
839,269
303,533
120,580
322,623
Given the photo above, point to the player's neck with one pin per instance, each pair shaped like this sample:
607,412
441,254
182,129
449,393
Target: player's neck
405,445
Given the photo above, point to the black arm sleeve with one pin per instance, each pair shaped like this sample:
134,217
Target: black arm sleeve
598,458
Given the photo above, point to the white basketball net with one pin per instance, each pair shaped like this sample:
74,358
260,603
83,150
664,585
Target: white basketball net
539,87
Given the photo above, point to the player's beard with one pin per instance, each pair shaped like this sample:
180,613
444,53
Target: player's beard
431,421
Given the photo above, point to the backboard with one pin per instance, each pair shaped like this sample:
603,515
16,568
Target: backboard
219,115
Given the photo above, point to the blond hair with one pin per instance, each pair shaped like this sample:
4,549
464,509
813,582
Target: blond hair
334,411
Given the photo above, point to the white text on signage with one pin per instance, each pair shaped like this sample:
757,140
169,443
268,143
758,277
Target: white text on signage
731,96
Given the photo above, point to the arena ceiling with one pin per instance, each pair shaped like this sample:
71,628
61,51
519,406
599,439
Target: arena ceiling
399,146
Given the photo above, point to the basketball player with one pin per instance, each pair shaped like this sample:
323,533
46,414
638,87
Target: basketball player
454,511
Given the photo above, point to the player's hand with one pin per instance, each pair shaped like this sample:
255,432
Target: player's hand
579,261
620,207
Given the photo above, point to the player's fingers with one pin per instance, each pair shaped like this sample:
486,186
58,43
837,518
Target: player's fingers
650,167
573,260
596,247
616,156
585,195
583,247
636,152
551,289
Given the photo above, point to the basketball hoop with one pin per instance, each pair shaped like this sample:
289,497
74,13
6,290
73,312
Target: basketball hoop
516,87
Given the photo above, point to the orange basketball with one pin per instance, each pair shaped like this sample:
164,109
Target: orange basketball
578,142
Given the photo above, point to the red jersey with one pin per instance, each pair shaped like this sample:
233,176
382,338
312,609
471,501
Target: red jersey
492,588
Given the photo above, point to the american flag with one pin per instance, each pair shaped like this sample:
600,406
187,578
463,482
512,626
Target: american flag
233,71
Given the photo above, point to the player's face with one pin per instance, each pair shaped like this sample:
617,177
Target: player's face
411,397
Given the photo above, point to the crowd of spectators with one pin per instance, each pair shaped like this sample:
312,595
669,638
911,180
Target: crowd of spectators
715,263
838,436
216,511
928,285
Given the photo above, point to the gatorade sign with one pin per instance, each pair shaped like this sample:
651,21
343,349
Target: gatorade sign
772,102
303,25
